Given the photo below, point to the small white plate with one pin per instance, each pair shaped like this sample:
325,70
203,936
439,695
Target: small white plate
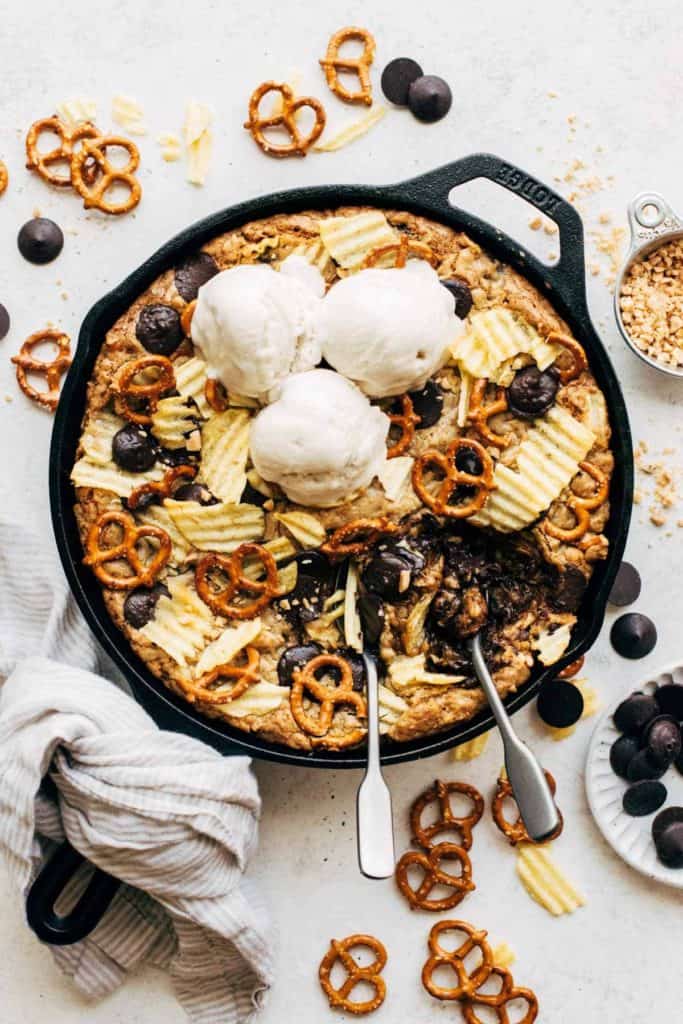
630,838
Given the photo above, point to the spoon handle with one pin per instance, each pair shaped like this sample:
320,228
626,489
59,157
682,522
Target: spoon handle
374,817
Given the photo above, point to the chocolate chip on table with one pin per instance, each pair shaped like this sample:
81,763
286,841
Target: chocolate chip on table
635,712
641,766
4,322
633,635
133,449
644,797
429,98
622,753
669,697
195,492
193,273
158,329
665,818
462,296
40,240
427,404
532,391
295,657
560,703
626,587
397,77
662,739
140,605
670,845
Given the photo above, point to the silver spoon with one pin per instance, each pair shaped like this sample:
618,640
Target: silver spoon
531,790
375,828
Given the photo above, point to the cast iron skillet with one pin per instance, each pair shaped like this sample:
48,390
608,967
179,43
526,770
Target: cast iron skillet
428,194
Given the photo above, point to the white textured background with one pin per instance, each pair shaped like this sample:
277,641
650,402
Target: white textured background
617,67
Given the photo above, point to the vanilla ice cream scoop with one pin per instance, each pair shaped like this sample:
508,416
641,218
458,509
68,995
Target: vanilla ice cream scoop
254,325
321,440
389,330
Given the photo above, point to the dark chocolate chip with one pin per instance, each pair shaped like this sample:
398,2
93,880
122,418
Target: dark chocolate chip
621,753
295,657
40,240
389,573
140,605
397,77
251,496
133,449
560,703
634,713
670,845
195,492
670,700
532,391
427,404
356,664
158,329
4,322
644,797
662,740
462,296
626,587
313,584
567,593
467,461
193,273
429,98
665,818
371,611
641,767
176,456
633,635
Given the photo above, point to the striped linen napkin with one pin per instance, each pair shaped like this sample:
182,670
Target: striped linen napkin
166,814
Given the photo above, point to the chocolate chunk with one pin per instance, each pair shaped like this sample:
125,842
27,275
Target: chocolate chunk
176,456
193,273
371,611
195,492
295,657
389,573
532,391
462,296
621,753
626,587
133,449
313,585
427,404
429,98
670,845
644,797
356,664
670,700
633,635
634,713
665,818
662,740
40,240
140,605
467,461
568,590
560,703
4,322
158,329
397,77
641,767
251,496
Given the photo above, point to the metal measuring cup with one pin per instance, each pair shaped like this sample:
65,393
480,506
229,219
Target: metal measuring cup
652,223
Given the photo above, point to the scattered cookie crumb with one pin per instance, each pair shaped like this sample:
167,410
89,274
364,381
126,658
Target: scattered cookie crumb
535,223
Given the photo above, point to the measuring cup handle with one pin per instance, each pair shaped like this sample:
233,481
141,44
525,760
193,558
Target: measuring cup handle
649,217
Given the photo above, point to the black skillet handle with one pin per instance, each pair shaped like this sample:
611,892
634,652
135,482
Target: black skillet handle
48,886
570,270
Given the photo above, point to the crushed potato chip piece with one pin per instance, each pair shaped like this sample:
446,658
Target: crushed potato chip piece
495,336
98,436
280,548
171,146
413,628
348,240
503,955
316,253
199,142
406,672
353,630
110,478
394,475
225,647
173,421
190,380
473,748
545,882
391,706
259,699
129,114
182,623
353,131
76,110
324,629
225,447
259,484
304,528
550,646
222,527
157,515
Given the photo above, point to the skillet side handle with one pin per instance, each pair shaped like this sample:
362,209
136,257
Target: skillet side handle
570,270
49,885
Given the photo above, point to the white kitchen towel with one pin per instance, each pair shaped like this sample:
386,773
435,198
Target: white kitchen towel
166,814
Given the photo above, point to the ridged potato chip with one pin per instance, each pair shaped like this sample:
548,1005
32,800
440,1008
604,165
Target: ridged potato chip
222,527
495,336
304,528
110,478
182,623
225,447
174,421
391,706
190,381
394,475
352,131
227,645
406,672
473,748
157,515
280,548
259,699
348,240
545,882
98,436
316,253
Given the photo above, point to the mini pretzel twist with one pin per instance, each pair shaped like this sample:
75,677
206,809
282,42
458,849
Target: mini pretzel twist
97,556
332,64
93,192
439,501
406,420
150,393
581,507
579,361
499,1001
69,137
340,950
215,394
305,683
447,821
515,831
223,601
186,318
256,124
52,371
4,177
203,690
434,876
366,531
400,250
467,981
147,494
480,412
